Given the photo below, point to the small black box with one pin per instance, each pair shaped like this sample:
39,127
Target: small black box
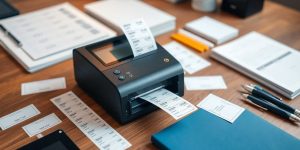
242,8
6,10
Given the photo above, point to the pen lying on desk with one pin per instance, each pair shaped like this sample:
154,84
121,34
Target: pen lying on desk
270,107
263,94
260,88
17,42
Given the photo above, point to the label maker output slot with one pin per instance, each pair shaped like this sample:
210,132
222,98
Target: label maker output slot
137,104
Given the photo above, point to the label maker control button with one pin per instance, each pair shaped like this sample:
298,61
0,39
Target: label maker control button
121,77
117,72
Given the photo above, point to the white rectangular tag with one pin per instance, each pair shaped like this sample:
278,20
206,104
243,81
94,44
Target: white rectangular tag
204,83
221,108
43,86
41,125
18,116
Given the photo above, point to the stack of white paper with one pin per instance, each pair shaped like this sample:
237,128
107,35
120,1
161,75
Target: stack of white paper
264,59
212,29
117,12
45,37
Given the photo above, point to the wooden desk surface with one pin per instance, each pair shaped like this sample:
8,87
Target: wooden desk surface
275,21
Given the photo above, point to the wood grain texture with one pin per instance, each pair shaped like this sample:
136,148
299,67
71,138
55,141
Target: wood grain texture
276,21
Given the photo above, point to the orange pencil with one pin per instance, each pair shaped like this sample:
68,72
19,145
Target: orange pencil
190,42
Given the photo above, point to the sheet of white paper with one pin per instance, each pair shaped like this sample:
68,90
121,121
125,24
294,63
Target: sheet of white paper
41,125
190,62
204,83
171,103
18,116
139,36
92,125
43,86
33,65
52,30
221,108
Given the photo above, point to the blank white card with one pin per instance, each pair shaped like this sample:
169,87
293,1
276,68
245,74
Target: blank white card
204,83
43,86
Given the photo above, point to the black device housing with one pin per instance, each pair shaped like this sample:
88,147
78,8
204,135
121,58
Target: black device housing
7,10
242,8
120,98
57,140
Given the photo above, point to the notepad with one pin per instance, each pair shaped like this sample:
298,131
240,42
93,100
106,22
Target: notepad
212,29
47,36
196,37
115,12
265,60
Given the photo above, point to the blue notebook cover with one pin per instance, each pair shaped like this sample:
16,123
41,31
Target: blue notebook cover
204,131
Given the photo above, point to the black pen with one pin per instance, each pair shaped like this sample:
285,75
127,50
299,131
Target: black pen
270,107
14,39
2,28
17,42
260,88
270,98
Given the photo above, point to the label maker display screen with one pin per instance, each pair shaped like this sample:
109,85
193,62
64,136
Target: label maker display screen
113,53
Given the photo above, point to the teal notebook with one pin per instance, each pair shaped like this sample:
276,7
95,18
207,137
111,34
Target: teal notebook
204,131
